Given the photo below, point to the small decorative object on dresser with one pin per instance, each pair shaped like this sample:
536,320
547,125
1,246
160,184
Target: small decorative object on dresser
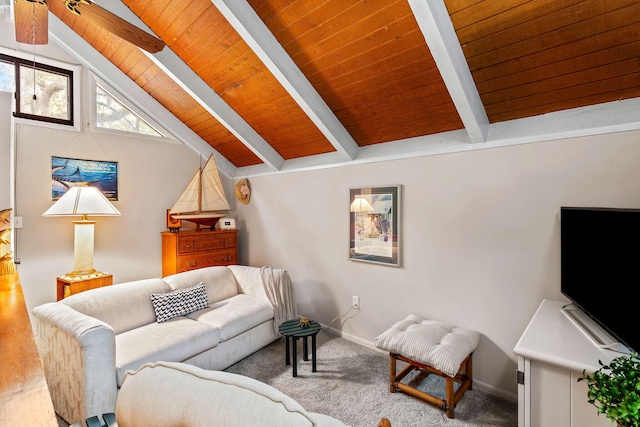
226,223
173,224
190,250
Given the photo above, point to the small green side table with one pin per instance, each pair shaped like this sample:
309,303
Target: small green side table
294,329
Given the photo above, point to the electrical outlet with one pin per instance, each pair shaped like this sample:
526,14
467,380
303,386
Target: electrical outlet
355,302
17,222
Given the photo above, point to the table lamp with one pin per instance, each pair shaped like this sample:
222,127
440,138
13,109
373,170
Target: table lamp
83,201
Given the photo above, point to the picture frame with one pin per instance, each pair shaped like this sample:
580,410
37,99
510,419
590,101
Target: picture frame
68,172
374,224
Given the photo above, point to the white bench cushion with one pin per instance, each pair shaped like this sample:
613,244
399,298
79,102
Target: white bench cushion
175,340
437,344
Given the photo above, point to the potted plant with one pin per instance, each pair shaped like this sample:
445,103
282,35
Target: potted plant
614,390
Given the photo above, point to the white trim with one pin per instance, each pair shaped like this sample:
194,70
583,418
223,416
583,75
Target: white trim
263,43
440,35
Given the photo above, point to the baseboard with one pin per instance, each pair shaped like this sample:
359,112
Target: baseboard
479,385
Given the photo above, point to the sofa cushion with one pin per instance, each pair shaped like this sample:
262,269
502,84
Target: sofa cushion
203,398
124,306
235,315
177,303
174,341
219,282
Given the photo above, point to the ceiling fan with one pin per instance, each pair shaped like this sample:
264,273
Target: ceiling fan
32,25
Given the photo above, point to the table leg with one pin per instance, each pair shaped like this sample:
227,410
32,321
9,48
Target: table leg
295,356
305,355
287,360
313,353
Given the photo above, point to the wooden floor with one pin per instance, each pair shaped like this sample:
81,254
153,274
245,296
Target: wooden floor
24,396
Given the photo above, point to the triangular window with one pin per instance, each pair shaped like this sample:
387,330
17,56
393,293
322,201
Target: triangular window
113,114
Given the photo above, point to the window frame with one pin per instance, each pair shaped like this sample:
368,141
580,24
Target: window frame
14,55
94,81
18,62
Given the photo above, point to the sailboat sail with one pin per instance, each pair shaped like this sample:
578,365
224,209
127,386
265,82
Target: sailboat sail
203,196
213,197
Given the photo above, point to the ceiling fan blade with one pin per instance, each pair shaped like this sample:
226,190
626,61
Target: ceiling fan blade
31,20
116,25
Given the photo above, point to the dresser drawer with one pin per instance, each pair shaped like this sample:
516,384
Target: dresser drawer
190,250
207,242
192,262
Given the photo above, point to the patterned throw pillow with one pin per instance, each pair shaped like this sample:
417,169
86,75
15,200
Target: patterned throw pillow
178,303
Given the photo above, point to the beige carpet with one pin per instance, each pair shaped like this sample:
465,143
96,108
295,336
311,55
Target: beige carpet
351,384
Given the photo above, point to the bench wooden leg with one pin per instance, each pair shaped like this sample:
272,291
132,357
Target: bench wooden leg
464,377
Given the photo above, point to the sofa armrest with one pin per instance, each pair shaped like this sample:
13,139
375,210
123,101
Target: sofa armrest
79,356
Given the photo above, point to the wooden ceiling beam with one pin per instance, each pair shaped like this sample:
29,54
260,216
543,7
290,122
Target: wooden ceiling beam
186,78
78,48
255,33
200,91
440,35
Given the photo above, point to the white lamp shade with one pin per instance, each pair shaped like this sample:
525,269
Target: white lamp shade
82,201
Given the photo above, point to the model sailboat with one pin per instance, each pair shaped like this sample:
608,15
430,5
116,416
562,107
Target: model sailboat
201,200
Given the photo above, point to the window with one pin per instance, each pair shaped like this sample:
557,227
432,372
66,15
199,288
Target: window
113,114
43,92
7,76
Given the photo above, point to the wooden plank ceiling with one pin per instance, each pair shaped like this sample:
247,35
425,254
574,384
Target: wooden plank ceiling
368,62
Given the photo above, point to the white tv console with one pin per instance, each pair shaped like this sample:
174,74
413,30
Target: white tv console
552,352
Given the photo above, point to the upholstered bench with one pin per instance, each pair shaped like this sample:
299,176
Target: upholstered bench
434,347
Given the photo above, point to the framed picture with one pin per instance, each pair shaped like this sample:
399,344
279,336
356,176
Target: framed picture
67,173
374,225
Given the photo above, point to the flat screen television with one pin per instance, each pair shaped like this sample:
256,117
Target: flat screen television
600,267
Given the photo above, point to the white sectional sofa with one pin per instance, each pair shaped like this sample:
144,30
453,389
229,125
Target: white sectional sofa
89,340
200,398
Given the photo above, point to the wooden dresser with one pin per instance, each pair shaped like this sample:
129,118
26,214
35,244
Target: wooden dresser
189,250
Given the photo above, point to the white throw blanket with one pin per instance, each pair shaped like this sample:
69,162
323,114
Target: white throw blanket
277,287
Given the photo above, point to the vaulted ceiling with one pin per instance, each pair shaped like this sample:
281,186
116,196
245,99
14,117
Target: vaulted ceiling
279,85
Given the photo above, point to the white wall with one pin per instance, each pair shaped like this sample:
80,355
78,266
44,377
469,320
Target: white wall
151,175
480,237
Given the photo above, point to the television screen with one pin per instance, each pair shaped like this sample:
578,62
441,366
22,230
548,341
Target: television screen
600,267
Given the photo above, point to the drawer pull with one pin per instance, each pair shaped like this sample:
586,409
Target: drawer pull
191,264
